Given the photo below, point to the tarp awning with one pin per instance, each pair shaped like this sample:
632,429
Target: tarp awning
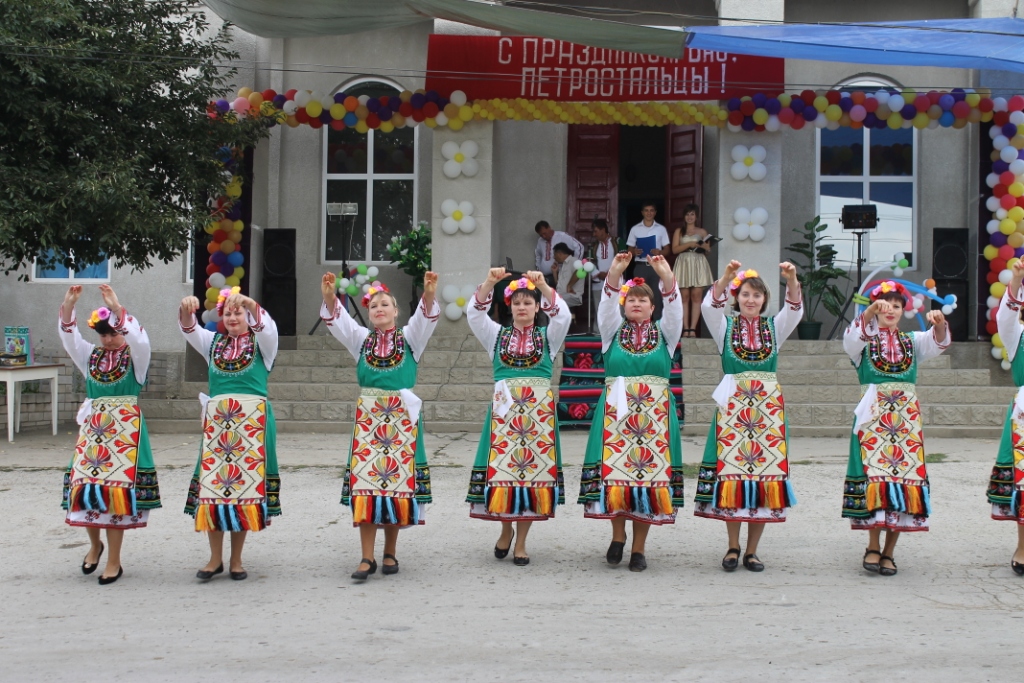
291,19
996,44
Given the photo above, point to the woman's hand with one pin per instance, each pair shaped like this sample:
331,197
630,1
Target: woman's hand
619,265
242,301
722,284
494,276
71,297
788,271
187,310
1016,279
429,290
110,299
877,308
537,278
938,323
660,266
327,290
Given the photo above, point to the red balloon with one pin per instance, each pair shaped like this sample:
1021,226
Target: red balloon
991,327
986,104
1020,201
933,97
993,313
921,103
1001,118
808,97
735,117
747,107
1007,201
786,115
430,109
212,268
301,116
1016,103
418,115
269,94
992,278
219,235
833,96
290,95
238,246
1007,178
373,121
759,128
961,110
1005,253
997,265
798,122
338,124
315,123
999,190
405,109
871,104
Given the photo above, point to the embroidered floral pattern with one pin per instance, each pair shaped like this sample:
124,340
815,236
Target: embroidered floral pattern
233,354
384,350
639,338
751,340
107,367
891,351
520,348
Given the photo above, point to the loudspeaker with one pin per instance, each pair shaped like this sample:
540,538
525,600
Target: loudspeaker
279,287
949,254
958,318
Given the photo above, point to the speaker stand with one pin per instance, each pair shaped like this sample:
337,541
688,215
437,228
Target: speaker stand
860,280
344,268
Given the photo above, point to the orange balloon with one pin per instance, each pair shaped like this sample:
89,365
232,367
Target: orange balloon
213,247
351,103
235,236
362,112
227,246
227,225
929,283
451,111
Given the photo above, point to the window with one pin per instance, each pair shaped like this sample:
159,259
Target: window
869,166
69,269
376,171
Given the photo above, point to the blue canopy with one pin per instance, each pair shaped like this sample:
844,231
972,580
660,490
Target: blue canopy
996,44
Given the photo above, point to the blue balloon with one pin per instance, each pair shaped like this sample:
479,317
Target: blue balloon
211,326
947,119
236,259
351,119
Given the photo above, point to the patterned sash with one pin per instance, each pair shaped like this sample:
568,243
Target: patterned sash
106,453
233,470
383,459
751,431
891,447
636,448
523,441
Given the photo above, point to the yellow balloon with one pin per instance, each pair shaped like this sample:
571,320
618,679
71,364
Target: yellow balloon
209,305
239,272
238,226
466,112
1016,189
460,302
255,99
1016,240
973,99
233,191
457,215
227,246
231,281
820,103
1006,226
895,120
997,289
761,116
361,126
338,111
456,123
990,252
386,127
314,108
833,112
921,120
245,92
212,228
1016,214
429,121
211,294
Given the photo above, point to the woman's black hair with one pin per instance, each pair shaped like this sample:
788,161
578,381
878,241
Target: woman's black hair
103,327
540,318
691,207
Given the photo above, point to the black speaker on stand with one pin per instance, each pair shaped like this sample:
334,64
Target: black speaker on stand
950,272
279,287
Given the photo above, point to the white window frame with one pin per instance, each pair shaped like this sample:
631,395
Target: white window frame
866,178
369,177
188,265
71,276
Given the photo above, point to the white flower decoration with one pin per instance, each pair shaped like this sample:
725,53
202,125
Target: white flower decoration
461,159
749,224
457,216
748,163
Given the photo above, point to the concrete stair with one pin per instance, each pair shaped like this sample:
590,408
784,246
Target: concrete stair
313,389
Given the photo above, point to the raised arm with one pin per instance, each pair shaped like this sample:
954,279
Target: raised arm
792,309
197,336
933,342
862,329
609,317
339,323
424,319
1008,315
75,346
480,324
672,305
130,328
558,314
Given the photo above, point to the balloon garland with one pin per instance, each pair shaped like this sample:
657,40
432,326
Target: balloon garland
226,265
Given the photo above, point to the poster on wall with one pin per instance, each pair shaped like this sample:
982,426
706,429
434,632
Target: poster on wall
17,342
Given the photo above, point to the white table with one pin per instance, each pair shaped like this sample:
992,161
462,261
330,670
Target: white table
27,373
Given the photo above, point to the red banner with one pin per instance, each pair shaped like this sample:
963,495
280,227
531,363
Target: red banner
487,67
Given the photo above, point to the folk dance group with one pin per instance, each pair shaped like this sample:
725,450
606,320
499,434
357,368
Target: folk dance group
632,470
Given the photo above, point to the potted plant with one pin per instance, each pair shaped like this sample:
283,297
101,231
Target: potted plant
411,253
817,275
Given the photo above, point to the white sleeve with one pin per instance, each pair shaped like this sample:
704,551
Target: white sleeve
480,324
419,328
927,346
578,248
76,347
631,238
538,254
344,328
198,337
138,342
713,311
1008,322
559,319
671,317
266,335
609,318
788,317
666,241
857,336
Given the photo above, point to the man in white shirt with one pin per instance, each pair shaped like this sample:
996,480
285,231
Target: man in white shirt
568,286
546,240
603,252
648,238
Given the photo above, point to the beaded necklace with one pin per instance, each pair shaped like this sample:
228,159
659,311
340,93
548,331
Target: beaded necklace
760,327
531,355
392,358
639,338
904,349
122,362
245,344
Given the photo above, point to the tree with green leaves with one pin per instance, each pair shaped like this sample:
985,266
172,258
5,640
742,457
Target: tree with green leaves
107,149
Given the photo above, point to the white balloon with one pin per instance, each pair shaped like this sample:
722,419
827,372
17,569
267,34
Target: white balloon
1016,168
360,279
947,310
908,314
317,96
759,216
758,172
898,272
458,98
207,316
467,224
757,232
449,206
882,96
1008,153
451,169
1002,213
1000,141
577,264
441,119
466,208
449,226
452,311
470,167
741,215
373,271
1017,117
450,149
363,99
896,102
772,124
217,280
366,288
992,179
470,149
301,98
450,293
344,282
758,152
467,291
290,107
932,123
992,302
997,352
992,227
831,125
738,171
1005,276
993,132
992,203
999,104
732,128
739,153
1005,365
821,122
589,267
741,231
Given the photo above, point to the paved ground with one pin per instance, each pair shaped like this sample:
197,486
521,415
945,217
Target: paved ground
955,612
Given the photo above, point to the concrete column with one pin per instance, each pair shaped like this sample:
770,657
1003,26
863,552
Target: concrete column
764,10
988,9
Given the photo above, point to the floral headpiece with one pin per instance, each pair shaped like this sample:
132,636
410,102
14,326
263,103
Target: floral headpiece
101,313
626,286
887,287
372,292
223,297
515,285
737,281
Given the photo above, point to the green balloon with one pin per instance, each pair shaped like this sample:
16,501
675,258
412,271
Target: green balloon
581,273
341,274
361,269
352,290
903,263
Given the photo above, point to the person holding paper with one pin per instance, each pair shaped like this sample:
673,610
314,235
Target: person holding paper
744,476
387,478
517,475
648,238
693,273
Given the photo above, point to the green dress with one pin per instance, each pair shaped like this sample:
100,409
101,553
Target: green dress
517,474
236,485
1008,473
111,481
633,465
744,476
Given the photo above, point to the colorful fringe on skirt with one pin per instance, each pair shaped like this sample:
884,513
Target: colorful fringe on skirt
384,510
115,500
741,494
913,500
516,500
642,500
231,517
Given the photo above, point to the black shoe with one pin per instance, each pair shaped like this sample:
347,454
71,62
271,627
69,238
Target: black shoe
502,553
637,562
752,563
520,561
362,574
614,554
207,575
887,571
871,566
107,580
731,560
389,569
90,568
1017,567
240,576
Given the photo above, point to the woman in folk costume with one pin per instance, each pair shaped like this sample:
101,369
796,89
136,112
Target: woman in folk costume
745,473
886,480
1004,489
111,481
236,485
633,464
387,478
517,476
